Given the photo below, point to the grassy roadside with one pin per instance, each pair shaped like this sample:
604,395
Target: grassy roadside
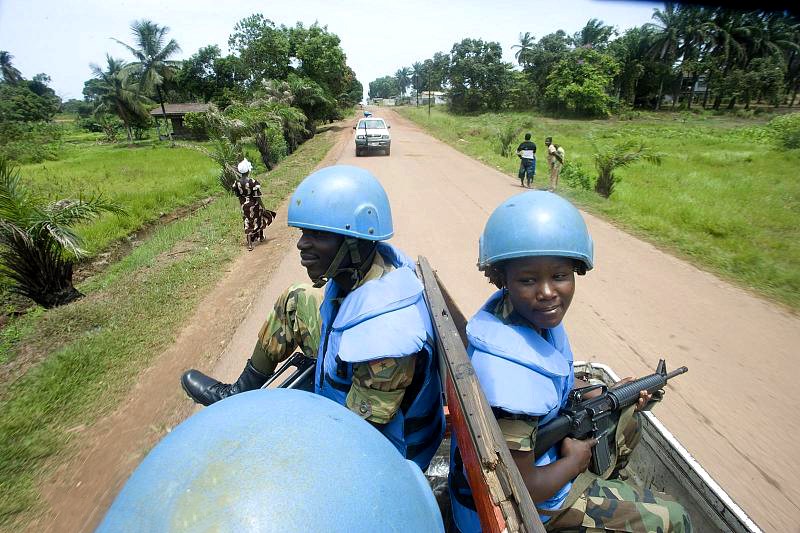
147,179
721,198
131,313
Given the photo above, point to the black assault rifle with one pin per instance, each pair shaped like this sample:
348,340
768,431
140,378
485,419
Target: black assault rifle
583,418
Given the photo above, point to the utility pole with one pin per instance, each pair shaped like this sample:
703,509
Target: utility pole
429,95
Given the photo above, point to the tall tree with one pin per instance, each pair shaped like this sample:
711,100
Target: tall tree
385,87
117,94
9,72
524,48
595,34
580,83
543,57
417,78
730,32
479,78
153,53
696,27
262,47
666,40
631,52
403,79
320,57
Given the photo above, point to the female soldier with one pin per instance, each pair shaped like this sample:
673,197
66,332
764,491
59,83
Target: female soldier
531,248
254,215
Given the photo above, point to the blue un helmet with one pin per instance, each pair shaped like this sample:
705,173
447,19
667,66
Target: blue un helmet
310,464
349,201
535,223
342,199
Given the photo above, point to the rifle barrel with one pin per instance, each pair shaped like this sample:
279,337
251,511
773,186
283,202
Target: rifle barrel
677,372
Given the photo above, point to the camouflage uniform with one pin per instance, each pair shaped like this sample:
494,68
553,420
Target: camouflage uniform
596,503
295,322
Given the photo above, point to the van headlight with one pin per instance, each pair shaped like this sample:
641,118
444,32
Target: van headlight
385,137
360,137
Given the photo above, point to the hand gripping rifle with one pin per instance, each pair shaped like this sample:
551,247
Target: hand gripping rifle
583,418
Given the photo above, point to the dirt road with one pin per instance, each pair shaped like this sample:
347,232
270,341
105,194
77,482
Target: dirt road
639,304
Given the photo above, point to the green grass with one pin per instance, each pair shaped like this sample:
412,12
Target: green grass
147,180
724,197
90,349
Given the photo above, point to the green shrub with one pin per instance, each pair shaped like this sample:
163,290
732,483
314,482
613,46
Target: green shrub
786,129
197,123
577,176
31,142
504,138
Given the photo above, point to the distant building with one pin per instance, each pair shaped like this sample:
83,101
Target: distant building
175,113
437,97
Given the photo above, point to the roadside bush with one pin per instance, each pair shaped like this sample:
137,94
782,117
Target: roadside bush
576,176
504,138
786,129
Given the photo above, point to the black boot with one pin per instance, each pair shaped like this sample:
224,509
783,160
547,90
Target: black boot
206,390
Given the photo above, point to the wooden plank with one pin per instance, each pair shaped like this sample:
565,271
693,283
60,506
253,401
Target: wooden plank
502,500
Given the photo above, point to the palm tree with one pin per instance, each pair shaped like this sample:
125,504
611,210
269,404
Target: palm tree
696,27
525,46
730,32
152,53
617,156
403,79
417,75
118,95
594,34
37,243
9,72
666,39
631,51
226,144
278,91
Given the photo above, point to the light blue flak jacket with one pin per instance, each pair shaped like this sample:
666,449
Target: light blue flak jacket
524,373
386,317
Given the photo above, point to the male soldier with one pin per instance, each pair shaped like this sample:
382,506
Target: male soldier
555,159
527,164
370,331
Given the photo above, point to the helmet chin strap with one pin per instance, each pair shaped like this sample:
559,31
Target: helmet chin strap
359,266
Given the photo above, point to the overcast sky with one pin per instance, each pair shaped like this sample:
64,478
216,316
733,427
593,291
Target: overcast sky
61,37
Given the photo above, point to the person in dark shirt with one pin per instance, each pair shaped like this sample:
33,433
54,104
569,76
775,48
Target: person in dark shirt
527,166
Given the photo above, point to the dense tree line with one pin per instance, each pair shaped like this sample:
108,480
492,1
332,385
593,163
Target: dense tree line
309,61
26,108
687,56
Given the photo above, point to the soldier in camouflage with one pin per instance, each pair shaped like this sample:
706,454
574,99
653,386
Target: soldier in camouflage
531,248
369,368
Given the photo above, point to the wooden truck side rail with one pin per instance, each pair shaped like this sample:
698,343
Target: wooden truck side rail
501,498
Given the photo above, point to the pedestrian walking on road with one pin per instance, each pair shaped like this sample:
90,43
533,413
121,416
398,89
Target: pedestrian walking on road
531,249
370,331
555,160
255,216
526,152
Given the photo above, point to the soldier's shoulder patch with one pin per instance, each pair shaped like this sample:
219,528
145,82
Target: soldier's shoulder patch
380,366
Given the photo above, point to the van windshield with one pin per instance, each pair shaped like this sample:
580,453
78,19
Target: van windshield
372,124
